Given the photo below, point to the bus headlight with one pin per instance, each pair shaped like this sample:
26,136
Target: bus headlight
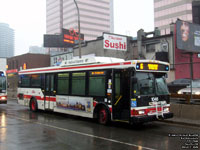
179,92
141,112
166,109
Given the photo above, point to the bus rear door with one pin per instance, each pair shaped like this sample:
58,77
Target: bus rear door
121,94
50,92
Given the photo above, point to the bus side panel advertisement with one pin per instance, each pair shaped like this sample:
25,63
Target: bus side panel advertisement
187,36
75,103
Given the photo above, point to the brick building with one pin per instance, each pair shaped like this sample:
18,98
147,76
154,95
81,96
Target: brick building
28,60
25,61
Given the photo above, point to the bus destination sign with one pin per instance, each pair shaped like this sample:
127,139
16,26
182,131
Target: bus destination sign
152,66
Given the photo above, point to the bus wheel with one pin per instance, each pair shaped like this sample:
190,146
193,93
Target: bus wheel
33,105
103,116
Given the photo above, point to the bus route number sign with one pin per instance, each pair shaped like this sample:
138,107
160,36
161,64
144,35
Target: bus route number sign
152,66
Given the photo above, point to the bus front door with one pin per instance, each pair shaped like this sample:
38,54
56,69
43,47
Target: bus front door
121,94
49,91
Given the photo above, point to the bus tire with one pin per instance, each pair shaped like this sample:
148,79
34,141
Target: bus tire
33,105
103,115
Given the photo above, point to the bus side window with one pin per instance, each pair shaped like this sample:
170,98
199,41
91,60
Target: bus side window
25,80
52,82
36,80
78,83
97,85
47,84
42,81
19,81
63,83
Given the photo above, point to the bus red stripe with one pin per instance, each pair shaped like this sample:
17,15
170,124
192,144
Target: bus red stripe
110,109
148,110
51,99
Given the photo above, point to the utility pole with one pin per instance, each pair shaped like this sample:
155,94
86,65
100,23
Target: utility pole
79,29
191,73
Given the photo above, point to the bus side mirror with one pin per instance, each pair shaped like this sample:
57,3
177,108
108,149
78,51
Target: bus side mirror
134,80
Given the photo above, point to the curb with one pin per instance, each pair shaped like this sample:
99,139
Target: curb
11,99
182,123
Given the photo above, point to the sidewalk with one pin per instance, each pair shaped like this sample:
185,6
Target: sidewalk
183,121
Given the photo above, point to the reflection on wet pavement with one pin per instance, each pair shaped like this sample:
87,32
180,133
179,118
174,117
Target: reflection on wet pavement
21,129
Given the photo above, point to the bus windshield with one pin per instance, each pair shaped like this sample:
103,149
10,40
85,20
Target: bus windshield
2,84
149,84
161,87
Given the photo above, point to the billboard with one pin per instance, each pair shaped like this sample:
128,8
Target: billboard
187,36
114,42
70,37
51,40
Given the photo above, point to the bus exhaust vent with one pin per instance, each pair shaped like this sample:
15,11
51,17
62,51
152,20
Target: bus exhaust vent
90,60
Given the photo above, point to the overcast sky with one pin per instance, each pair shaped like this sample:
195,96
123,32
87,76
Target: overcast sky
28,19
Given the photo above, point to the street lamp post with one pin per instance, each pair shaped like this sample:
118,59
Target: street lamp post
79,30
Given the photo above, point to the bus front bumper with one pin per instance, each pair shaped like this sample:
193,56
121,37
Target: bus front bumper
143,119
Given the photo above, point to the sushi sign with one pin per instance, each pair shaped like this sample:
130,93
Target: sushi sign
115,42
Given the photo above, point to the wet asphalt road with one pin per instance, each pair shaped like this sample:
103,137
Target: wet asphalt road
21,129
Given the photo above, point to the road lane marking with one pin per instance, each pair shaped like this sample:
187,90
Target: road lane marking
85,134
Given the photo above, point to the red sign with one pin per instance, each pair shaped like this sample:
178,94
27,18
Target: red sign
115,42
12,71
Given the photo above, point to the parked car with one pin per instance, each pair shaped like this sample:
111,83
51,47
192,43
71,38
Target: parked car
195,88
178,84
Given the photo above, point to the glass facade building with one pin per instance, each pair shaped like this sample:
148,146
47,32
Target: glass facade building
6,41
96,16
168,11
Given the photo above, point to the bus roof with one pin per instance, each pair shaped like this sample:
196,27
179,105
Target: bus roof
90,64
90,60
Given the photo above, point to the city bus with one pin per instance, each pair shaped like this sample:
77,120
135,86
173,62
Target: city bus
107,89
3,87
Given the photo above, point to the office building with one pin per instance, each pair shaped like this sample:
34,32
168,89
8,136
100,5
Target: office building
96,17
6,41
3,63
168,11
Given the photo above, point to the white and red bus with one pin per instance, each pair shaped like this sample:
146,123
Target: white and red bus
107,89
3,87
